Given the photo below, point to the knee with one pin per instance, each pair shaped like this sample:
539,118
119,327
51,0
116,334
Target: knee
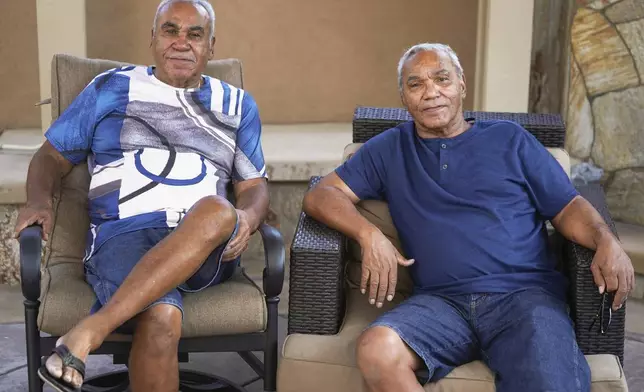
214,205
160,328
216,214
379,349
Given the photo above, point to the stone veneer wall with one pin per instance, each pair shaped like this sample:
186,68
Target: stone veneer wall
606,100
9,250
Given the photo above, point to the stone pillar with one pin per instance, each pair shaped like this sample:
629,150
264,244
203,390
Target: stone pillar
605,116
503,55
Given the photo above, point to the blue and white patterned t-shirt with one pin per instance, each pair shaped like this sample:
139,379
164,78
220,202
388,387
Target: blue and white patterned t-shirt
153,150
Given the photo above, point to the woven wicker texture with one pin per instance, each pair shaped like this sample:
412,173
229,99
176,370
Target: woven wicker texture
316,300
549,129
584,295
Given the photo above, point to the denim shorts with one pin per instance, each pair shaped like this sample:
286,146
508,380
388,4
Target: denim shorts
525,337
106,269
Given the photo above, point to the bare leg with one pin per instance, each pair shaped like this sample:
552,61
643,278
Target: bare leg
171,262
386,362
154,365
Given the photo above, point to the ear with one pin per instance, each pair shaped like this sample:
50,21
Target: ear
402,99
151,36
211,52
463,87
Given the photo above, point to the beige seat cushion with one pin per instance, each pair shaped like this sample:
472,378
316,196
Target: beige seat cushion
562,157
321,363
233,307
632,238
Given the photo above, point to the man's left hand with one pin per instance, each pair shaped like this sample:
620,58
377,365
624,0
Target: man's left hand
240,243
612,270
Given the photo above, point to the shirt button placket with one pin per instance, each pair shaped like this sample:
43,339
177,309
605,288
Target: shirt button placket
443,161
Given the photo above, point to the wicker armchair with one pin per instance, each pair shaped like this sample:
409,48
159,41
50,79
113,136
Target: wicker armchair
319,285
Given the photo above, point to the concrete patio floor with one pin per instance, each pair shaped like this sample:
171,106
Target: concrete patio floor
13,361
13,372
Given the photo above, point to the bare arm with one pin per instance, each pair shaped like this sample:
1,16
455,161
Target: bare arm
252,202
332,202
580,222
252,198
46,170
612,269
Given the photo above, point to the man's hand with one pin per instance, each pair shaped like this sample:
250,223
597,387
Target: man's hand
240,243
380,261
612,270
31,214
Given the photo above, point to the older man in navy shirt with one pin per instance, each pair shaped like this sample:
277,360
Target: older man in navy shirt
469,201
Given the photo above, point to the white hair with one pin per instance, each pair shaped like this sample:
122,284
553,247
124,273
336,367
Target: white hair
427,47
204,3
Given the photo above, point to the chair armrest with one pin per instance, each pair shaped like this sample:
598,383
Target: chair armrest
30,257
316,297
584,294
273,275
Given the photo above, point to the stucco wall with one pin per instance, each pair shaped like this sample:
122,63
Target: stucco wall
19,69
304,60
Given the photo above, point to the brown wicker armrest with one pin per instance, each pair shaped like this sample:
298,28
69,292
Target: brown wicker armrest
316,295
584,295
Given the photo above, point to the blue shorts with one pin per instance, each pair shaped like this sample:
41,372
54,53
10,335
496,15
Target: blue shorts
106,270
525,337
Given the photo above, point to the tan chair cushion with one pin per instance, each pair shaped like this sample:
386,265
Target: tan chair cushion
632,238
234,307
320,363
71,221
562,157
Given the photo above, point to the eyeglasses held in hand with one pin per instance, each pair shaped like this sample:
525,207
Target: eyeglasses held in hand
602,316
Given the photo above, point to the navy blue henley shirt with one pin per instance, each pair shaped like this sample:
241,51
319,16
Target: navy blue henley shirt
471,209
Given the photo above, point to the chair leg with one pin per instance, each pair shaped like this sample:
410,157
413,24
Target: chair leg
33,345
270,351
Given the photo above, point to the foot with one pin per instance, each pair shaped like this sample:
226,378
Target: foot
80,340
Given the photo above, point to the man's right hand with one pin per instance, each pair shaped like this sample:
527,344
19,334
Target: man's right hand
35,214
380,260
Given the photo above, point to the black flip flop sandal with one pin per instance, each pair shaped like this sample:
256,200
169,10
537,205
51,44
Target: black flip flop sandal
69,360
